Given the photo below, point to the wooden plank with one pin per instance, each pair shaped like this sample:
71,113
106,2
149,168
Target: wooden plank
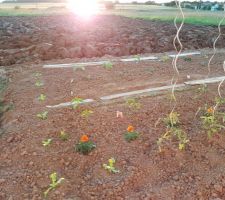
141,92
137,59
186,54
75,65
205,81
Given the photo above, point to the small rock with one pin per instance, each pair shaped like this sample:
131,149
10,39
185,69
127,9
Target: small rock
23,153
10,139
218,188
2,180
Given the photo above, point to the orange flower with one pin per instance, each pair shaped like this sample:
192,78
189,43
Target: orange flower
210,110
130,128
84,138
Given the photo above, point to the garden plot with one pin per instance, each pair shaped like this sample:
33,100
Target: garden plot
94,82
131,156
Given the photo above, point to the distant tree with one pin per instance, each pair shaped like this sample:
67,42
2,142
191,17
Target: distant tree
134,2
170,4
109,5
150,3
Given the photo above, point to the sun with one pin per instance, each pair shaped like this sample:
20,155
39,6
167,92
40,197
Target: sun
84,8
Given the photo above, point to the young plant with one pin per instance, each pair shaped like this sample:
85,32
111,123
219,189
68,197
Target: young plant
164,58
187,59
43,115
63,136
111,166
76,67
54,183
131,135
138,58
37,74
202,90
108,65
86,113
219,101
46,142
173,131
172,120
133,104
212,121
42,97
39,83
85,145
76,102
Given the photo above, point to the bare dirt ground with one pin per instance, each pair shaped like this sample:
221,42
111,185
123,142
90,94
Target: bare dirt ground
145,174
24,39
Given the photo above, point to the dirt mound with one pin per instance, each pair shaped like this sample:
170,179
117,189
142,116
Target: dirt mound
57,37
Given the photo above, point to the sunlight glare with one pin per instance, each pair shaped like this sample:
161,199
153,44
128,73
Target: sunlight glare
84,8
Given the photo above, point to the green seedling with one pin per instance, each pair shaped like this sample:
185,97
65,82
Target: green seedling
39,83
164,58
173,131
212,121
42,97
110,167
138,58
219,101
130,136
37,74
172,120
77,67
85,145
108,65
187,59
133,104
54,183
43,115
63,136
86,113
76,102
202,90
46,142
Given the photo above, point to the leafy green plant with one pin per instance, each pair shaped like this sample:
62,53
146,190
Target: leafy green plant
76,67
187,59
111,166
46,142
85,146
130,136
42,97
138,58
54,183
133,103
39,83
219,101
172,119
108,65
43,115
212,121
76,102
63,136
37,74
202,90
173,131
86,113
164,58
